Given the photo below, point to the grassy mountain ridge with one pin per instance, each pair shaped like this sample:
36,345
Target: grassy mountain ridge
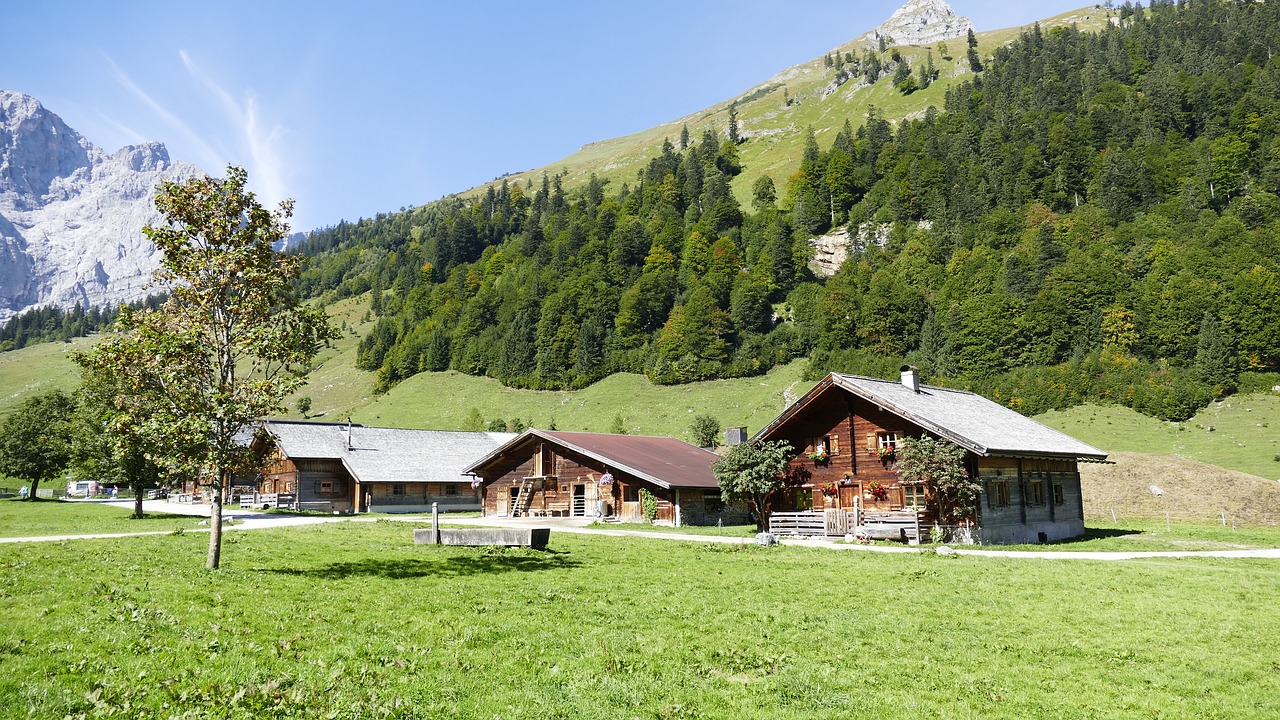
780,127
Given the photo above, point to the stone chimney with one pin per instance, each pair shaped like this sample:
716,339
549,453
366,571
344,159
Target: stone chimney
735,436
911,378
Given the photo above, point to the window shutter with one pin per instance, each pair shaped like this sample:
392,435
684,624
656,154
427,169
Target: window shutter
835,445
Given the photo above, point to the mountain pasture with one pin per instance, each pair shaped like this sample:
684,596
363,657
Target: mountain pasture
353,620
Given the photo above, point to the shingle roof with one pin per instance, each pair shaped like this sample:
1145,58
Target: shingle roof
663,461
387,455
967,419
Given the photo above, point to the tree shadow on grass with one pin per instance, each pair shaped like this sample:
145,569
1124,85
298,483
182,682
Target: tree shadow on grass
487,563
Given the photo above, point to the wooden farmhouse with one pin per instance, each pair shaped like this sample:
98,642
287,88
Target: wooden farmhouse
845,431
578,474
346,468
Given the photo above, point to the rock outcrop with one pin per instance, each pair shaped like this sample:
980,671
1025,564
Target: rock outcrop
921,22
71,215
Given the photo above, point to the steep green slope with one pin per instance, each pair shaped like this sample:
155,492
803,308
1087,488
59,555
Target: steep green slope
763,113
1240,433
444,400
36,369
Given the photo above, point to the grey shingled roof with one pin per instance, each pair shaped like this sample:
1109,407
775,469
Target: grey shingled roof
965,418
387,455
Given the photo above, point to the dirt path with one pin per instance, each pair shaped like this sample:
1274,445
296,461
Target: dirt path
251,520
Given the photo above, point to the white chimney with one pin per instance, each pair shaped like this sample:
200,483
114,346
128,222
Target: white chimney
910,378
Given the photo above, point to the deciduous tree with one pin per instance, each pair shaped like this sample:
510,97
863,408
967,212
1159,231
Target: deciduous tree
229,344
939,464
754,473
35,440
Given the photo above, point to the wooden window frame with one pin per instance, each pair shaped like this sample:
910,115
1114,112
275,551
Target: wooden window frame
325,487
887,439
829,443
451,489
398,490
1059,494
913,493
997,493
1034,494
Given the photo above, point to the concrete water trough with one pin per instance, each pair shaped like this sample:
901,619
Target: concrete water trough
535,537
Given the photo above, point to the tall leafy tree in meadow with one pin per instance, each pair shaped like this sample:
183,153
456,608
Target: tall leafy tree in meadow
229,344
111,444
35,439
755,473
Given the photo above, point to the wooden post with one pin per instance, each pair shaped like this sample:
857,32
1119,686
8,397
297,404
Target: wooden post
435,522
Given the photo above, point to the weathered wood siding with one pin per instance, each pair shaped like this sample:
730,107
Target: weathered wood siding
323,485
418,497
850,428
1028,500
1024,500
566,476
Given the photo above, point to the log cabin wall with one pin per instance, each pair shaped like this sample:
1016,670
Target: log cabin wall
1029,500
323,485
567,476
279,474
852,431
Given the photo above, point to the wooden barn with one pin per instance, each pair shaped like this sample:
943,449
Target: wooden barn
578,474
351,468
846,429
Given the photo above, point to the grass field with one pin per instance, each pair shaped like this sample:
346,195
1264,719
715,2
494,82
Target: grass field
53,517
1241,433
351,620
443,401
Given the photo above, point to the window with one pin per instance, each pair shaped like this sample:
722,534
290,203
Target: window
1059,494
397,488
630,493
913,496
830,444
1035,493
887,441
804,499
451,489
998,493
712,501
326,487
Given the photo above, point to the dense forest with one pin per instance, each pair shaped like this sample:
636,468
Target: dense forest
1093,216
51,324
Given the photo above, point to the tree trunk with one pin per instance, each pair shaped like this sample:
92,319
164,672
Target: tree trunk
215,524
34,484
137,501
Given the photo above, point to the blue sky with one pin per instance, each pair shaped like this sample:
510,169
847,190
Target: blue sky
358,108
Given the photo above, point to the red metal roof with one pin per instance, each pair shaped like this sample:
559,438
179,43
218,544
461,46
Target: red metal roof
664,461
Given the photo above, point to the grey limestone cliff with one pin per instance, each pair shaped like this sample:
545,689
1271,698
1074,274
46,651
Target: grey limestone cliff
71,215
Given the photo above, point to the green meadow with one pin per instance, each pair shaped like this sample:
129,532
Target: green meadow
352,620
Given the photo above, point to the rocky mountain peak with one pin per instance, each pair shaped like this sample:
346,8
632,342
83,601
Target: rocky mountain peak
921,22
36,147
71,216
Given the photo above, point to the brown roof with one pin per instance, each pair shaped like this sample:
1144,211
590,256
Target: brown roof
663,461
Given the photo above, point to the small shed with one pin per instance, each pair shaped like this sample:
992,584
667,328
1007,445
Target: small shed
580,474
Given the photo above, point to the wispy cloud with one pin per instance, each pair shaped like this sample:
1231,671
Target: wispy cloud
265,166
133,137
207,158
